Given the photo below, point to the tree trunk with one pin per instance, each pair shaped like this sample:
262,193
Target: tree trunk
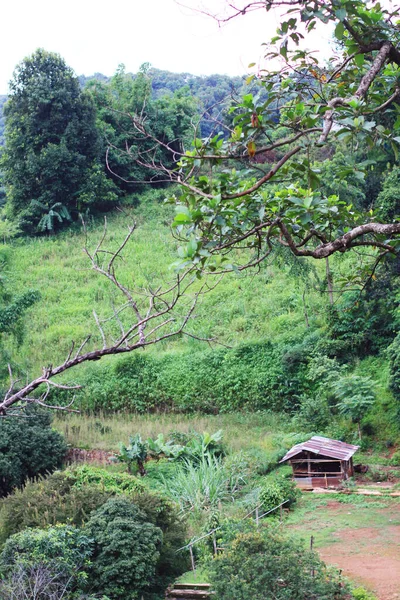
329,281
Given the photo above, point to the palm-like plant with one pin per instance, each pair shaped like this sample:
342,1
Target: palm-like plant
57,212
135,453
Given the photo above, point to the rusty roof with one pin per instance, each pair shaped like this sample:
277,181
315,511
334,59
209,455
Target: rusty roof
325,447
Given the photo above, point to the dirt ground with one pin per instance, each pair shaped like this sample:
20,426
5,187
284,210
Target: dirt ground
369,556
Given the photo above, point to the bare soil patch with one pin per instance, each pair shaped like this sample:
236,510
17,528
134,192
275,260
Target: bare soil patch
369,556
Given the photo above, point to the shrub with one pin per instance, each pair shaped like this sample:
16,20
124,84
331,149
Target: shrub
265,565
361,593
115,483
395,460
49,501
277,490
54,559
165,514
28,448
314,413
126,550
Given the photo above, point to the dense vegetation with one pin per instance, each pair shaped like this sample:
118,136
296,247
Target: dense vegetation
305,346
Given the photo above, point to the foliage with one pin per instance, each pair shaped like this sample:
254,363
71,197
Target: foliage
51,143
203,485
365,325
361,593
164,514
55,499
195,447
356,396
313,413
265,565
388,201
211,381
28,448
136,452
394,381
167,117
58,555
126,550
116,483
276,490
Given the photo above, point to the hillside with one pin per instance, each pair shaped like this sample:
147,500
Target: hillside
269,328
247,308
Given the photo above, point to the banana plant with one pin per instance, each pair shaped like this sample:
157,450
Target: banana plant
135,453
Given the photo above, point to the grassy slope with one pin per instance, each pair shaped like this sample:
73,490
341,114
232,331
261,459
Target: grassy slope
268,306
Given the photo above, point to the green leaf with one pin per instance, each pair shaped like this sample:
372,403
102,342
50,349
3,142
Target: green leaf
359,60
339,30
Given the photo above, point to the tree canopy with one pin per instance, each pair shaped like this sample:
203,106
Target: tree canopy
263,186
52,143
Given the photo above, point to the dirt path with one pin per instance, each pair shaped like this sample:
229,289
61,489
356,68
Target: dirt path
369,556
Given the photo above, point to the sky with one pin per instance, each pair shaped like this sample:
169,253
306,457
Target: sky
97,35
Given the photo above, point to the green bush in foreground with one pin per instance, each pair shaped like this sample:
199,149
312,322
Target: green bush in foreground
48,501
126,550
45,563
265,565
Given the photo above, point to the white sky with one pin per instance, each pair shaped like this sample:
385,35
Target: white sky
97,35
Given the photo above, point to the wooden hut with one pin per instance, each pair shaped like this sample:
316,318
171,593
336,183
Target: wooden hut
321,462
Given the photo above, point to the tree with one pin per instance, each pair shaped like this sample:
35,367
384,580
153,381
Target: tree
168,118
233,198
45,563
51,143
28,447
356,396
126,550
265,565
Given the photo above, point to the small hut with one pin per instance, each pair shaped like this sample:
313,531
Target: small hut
321,462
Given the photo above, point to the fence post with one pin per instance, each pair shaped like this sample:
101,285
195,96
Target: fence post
192,559
257,519
214,543
311,549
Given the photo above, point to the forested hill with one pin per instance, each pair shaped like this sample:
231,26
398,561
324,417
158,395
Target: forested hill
210,90
207,88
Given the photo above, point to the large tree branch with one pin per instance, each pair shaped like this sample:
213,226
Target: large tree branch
133,331
344,242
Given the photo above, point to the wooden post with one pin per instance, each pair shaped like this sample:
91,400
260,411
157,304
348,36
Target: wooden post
214,544
192,559
281,511
311,549
326,481
257,519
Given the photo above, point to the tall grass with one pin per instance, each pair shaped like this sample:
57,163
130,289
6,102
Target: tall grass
241,431
203,485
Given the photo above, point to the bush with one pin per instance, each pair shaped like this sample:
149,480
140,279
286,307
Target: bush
54,559
115,483
49,501
164,514
277,490
209,381
28,448
265,565
126,550
395,460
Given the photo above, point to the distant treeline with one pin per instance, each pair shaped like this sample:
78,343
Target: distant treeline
212,92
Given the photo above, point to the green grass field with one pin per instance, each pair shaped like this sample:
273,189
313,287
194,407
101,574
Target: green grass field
251,307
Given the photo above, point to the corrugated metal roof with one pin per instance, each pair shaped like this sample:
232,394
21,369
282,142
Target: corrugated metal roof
324,446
